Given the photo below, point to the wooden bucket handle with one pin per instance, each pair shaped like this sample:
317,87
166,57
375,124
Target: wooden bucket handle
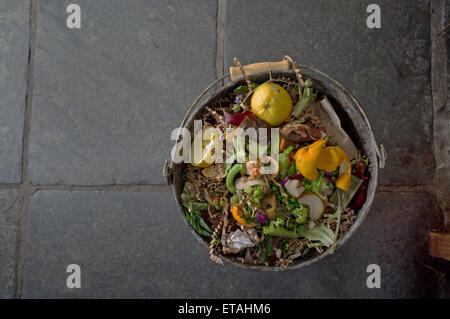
235,72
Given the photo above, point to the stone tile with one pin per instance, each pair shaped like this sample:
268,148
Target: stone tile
136,245
387,69
108,95
10,209
14,36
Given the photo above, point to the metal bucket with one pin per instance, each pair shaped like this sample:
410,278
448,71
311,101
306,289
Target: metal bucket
353,121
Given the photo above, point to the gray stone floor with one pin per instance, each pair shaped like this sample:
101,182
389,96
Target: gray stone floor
85,122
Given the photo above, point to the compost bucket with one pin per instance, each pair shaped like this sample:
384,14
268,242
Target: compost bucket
353,121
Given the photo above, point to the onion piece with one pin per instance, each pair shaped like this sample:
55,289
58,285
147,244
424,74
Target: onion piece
243,182
294,187
315,203
216,171
273,169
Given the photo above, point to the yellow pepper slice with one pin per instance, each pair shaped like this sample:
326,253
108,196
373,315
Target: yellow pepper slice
312,157
345,171
343,182
332,157
306,158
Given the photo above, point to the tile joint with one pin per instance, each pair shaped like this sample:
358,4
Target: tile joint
220,38
25,187
440,108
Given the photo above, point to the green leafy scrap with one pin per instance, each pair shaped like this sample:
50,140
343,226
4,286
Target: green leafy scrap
199,225
243,89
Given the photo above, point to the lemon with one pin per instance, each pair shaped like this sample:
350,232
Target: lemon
271,103
211,140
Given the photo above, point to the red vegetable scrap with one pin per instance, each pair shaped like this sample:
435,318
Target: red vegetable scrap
327,174
359,169
298,177
261,217
360,197
237,118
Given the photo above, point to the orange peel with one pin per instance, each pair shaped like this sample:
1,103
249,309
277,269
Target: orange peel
306,158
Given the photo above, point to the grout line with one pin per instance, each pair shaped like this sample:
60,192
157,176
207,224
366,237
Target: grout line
405,189
9,186
440,108
26,187
113,187
440,113
100,188
220,38
166,188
